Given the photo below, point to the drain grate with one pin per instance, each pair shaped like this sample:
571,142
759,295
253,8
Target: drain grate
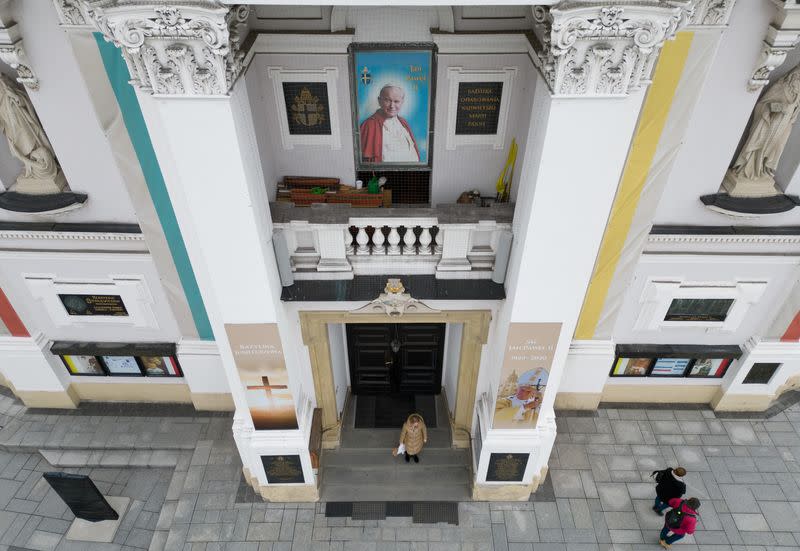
400,509
431,512
369,510
338,509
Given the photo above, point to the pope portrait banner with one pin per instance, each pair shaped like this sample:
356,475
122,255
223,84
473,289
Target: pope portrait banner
393,89
528,356
258,355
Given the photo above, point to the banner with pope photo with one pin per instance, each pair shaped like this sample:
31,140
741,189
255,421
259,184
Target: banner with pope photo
530,348
393,90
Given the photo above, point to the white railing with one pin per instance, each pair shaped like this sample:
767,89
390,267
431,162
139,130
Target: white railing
392,246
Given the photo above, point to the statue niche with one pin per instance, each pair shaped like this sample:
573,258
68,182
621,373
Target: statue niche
753,172
41,173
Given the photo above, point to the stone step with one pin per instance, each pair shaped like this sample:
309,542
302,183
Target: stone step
387,438
111,458
371,458
412,492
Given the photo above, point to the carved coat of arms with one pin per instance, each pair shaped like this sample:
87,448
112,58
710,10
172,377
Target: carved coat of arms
307,109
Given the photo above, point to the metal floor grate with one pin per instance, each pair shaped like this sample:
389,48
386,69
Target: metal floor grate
369,510
338,509
421,512
431,512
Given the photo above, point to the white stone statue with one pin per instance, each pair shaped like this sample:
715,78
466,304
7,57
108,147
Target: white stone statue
753,172
26,138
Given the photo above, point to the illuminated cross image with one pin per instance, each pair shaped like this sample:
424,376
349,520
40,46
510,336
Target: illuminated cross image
366,78
267,388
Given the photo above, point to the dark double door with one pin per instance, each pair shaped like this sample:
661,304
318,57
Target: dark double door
395,357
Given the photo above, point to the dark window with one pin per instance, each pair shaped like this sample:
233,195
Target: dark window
761,373
711,368
699,309
409,187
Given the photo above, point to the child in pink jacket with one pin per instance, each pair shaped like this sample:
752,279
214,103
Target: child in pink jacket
681,520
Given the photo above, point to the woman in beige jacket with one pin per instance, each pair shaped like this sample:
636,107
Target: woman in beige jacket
414,435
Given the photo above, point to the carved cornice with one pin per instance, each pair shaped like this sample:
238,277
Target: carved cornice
192,49
597,49
711,13
13,53
73,13
782,36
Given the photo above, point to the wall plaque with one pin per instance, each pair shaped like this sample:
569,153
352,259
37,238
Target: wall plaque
307,108
93,305
259,359
530,348
506,467
81,496
283,469
478,107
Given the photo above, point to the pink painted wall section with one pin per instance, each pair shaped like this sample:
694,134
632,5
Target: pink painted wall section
793,331
10,318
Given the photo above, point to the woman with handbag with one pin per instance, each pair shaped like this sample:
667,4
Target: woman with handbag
413,437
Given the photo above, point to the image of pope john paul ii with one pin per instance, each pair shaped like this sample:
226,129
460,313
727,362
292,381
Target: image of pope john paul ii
386,137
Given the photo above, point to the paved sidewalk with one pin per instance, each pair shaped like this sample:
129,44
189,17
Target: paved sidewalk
597,497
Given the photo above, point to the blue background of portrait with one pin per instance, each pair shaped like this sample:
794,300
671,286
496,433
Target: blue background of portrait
392,67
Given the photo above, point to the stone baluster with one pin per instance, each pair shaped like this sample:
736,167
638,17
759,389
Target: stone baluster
409,240
363,241
394,241
348,241
438,240
378,240
425,240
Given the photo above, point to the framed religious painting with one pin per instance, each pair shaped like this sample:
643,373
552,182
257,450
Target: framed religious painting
83,365
631,367
393,86
160,366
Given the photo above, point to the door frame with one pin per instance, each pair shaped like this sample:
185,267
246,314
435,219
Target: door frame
314,329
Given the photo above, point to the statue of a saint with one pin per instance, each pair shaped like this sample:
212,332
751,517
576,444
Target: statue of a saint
753,172
28,143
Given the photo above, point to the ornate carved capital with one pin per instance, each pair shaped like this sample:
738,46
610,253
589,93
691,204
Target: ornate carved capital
13,53
782,36
712,13
188,50
72,13
597,49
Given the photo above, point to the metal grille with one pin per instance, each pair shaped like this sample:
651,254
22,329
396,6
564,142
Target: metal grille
400,509
409,187
431,512
338,509
369,510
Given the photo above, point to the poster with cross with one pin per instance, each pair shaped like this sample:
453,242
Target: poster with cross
259,359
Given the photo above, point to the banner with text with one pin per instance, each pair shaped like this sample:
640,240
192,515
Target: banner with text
259,359
529,352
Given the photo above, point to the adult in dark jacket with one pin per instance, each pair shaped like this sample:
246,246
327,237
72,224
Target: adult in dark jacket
688,521
669,484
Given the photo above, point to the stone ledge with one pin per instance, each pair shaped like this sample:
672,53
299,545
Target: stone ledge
111,458
750,206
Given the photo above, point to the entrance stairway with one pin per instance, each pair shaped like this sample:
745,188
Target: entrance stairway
363,468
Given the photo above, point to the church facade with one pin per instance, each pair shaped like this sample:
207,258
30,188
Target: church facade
324,218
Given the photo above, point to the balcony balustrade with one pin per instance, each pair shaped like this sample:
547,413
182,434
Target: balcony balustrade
450,242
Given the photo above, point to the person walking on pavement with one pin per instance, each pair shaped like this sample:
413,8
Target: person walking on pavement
680,520
669,484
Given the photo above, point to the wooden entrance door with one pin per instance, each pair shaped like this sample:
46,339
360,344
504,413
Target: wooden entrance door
415,367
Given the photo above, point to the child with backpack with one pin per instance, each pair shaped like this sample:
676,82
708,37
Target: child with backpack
680,520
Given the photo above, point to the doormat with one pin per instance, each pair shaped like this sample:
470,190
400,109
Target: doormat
421,512
391,411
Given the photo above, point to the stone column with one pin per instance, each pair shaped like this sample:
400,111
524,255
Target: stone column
596,62
185,61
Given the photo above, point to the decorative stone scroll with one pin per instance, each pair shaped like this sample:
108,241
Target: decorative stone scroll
591,49
72,13
782,36
188,50
711,13
13,53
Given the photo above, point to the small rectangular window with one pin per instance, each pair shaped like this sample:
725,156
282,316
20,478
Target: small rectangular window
761,373
699,309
